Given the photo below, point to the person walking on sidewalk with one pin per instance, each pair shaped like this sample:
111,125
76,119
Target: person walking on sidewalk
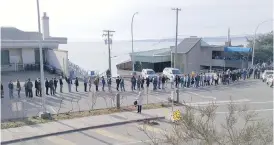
103,83
55,82
10,86
76,84
139,102
18,88
163,82
61,84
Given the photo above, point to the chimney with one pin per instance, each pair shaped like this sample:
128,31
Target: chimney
45,20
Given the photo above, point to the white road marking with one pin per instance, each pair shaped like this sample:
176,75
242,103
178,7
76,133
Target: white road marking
260,110
202,96
218,102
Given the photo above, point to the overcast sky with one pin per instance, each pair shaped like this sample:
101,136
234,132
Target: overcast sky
85,19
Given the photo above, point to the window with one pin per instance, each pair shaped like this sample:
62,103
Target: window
5,57
176,71
150,72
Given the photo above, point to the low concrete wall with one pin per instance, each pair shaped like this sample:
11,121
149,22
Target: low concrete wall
58,59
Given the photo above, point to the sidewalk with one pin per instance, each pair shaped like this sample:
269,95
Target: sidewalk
12,135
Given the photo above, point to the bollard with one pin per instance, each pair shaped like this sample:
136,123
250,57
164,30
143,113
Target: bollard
118,101
177,93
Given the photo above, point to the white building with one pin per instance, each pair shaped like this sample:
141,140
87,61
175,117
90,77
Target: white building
20,48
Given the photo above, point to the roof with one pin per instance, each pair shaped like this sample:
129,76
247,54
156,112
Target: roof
11,33
186,45
154,52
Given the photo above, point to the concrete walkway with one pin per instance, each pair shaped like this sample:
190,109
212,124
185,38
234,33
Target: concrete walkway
24,133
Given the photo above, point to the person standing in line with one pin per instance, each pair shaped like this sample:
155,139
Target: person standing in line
89,84
176,81
2,91
147,82
159,80
10,86
142,82
36,87
76,82
47,86
163,82
171,82
103,83
122,84
68,80
109,83
18,88
139,83
55,82
51,88
133,83
85,84
39,88
139,102
29,88
26,89
117,83
154,81
61,84
96,83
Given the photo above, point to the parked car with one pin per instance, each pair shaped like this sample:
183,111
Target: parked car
265,73
148,73
269,79
171,72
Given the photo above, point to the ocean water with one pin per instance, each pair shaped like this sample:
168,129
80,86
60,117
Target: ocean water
94,55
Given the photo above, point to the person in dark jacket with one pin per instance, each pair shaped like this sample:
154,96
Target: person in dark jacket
117,83
147,82
47,86
2,91
39,88
55,82
51,87
61,84
142,82
76,84
36,87
29,88
163,82
10,86
18,88
85,83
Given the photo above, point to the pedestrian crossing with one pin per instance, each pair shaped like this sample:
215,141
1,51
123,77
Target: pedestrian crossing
134,133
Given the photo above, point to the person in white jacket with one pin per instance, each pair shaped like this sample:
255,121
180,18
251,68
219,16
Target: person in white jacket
139,102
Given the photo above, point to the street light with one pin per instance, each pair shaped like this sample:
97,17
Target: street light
132,60
43,95
254,39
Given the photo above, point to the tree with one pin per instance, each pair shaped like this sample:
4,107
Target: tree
264,47
198,126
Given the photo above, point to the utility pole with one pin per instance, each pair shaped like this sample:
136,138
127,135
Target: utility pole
176,38
108,40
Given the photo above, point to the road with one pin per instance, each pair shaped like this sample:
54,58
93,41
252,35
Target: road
241,92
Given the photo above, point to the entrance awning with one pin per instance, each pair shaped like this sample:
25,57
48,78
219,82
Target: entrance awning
237,49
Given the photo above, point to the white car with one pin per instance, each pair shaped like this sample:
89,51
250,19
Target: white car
269,79
171,72
265,73
148,73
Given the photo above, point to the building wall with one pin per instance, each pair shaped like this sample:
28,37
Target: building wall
28,56
194,59
58,59
15,55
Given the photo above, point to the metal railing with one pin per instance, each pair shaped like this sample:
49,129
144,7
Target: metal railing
78,71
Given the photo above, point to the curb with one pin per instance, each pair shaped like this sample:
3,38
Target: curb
78,129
